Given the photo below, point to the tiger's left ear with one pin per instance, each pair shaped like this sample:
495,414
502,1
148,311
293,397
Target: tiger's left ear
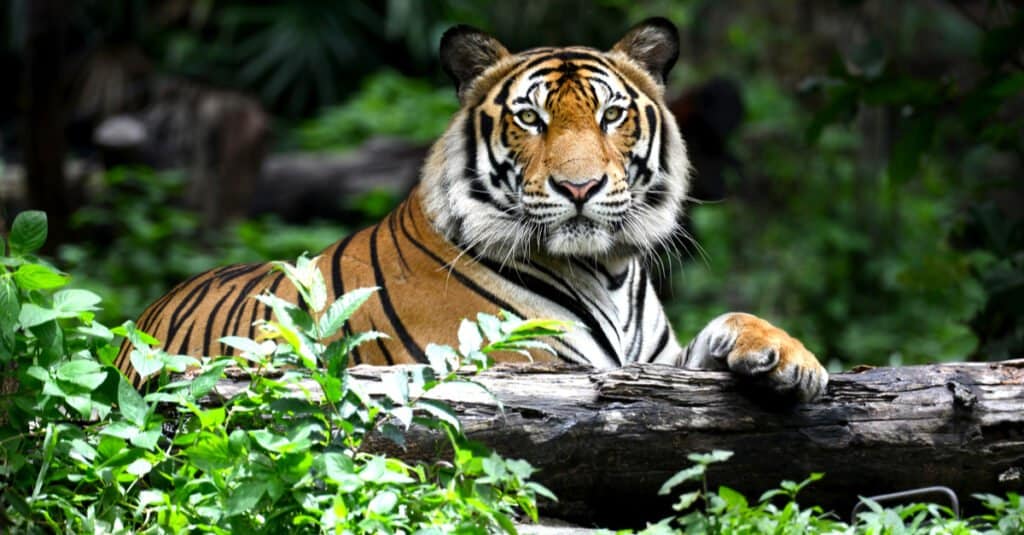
654,44
466,52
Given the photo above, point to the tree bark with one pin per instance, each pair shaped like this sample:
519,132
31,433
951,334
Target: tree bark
45,145
605,441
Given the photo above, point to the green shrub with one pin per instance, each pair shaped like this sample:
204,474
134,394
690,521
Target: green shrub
83,451
726,511
389,104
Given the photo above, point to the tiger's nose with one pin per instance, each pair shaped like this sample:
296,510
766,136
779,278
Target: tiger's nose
577,192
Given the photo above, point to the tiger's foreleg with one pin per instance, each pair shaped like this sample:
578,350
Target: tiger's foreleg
750,346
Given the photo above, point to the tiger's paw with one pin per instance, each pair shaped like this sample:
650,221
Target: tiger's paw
751,347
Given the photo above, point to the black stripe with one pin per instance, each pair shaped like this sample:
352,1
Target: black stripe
662,153
267,311
656,195
660,346
577,296
652,120
239,302
459,276
183,348
567,56
556,296
229,273
641,297
212,318
471,142
383,349
389,310
338,287
180,314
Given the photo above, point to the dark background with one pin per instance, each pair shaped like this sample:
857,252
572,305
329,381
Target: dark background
860,162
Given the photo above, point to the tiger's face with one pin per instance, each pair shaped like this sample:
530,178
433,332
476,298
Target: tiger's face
564,152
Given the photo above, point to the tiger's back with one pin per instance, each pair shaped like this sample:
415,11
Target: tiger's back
425,291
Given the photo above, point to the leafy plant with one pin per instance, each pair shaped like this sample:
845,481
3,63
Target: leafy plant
703,511
83,451
388,104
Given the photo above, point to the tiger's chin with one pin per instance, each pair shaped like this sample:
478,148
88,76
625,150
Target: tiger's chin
580,239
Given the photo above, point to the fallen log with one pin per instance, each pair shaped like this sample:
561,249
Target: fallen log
605,441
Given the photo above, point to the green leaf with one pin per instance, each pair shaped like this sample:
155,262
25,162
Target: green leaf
440,411
39,277
692,473
403,415
490,325
686,500
342,309
136,336
133,407
341,348
88,374
28,232
732,499
39,373
244,497
206,381
139,467
110,446
10,309
374,470
277,443
83,450
443,359
146,440
32,314
396,386
73,301
383,503
211,453
146,362
248,347
716,456
470,339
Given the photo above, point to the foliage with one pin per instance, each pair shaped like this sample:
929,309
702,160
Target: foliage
863,220
940,122
296,56
388,104
83,451
703,511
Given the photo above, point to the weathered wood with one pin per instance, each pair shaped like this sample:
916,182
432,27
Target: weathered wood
606,440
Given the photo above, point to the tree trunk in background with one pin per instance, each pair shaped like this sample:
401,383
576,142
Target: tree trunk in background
45,146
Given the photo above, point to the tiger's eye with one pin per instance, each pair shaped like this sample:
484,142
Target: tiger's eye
612,114
528,117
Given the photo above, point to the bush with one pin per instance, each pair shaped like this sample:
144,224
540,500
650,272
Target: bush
727,511
389,104
83,451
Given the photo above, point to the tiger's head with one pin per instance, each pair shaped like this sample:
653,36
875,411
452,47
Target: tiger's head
562,152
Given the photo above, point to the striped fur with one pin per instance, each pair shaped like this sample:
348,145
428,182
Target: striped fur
562,171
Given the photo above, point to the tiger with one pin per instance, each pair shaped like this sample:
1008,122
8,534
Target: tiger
559,177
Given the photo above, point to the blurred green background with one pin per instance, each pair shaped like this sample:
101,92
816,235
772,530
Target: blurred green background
870,200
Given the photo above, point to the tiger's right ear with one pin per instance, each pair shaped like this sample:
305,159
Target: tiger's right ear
466,52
